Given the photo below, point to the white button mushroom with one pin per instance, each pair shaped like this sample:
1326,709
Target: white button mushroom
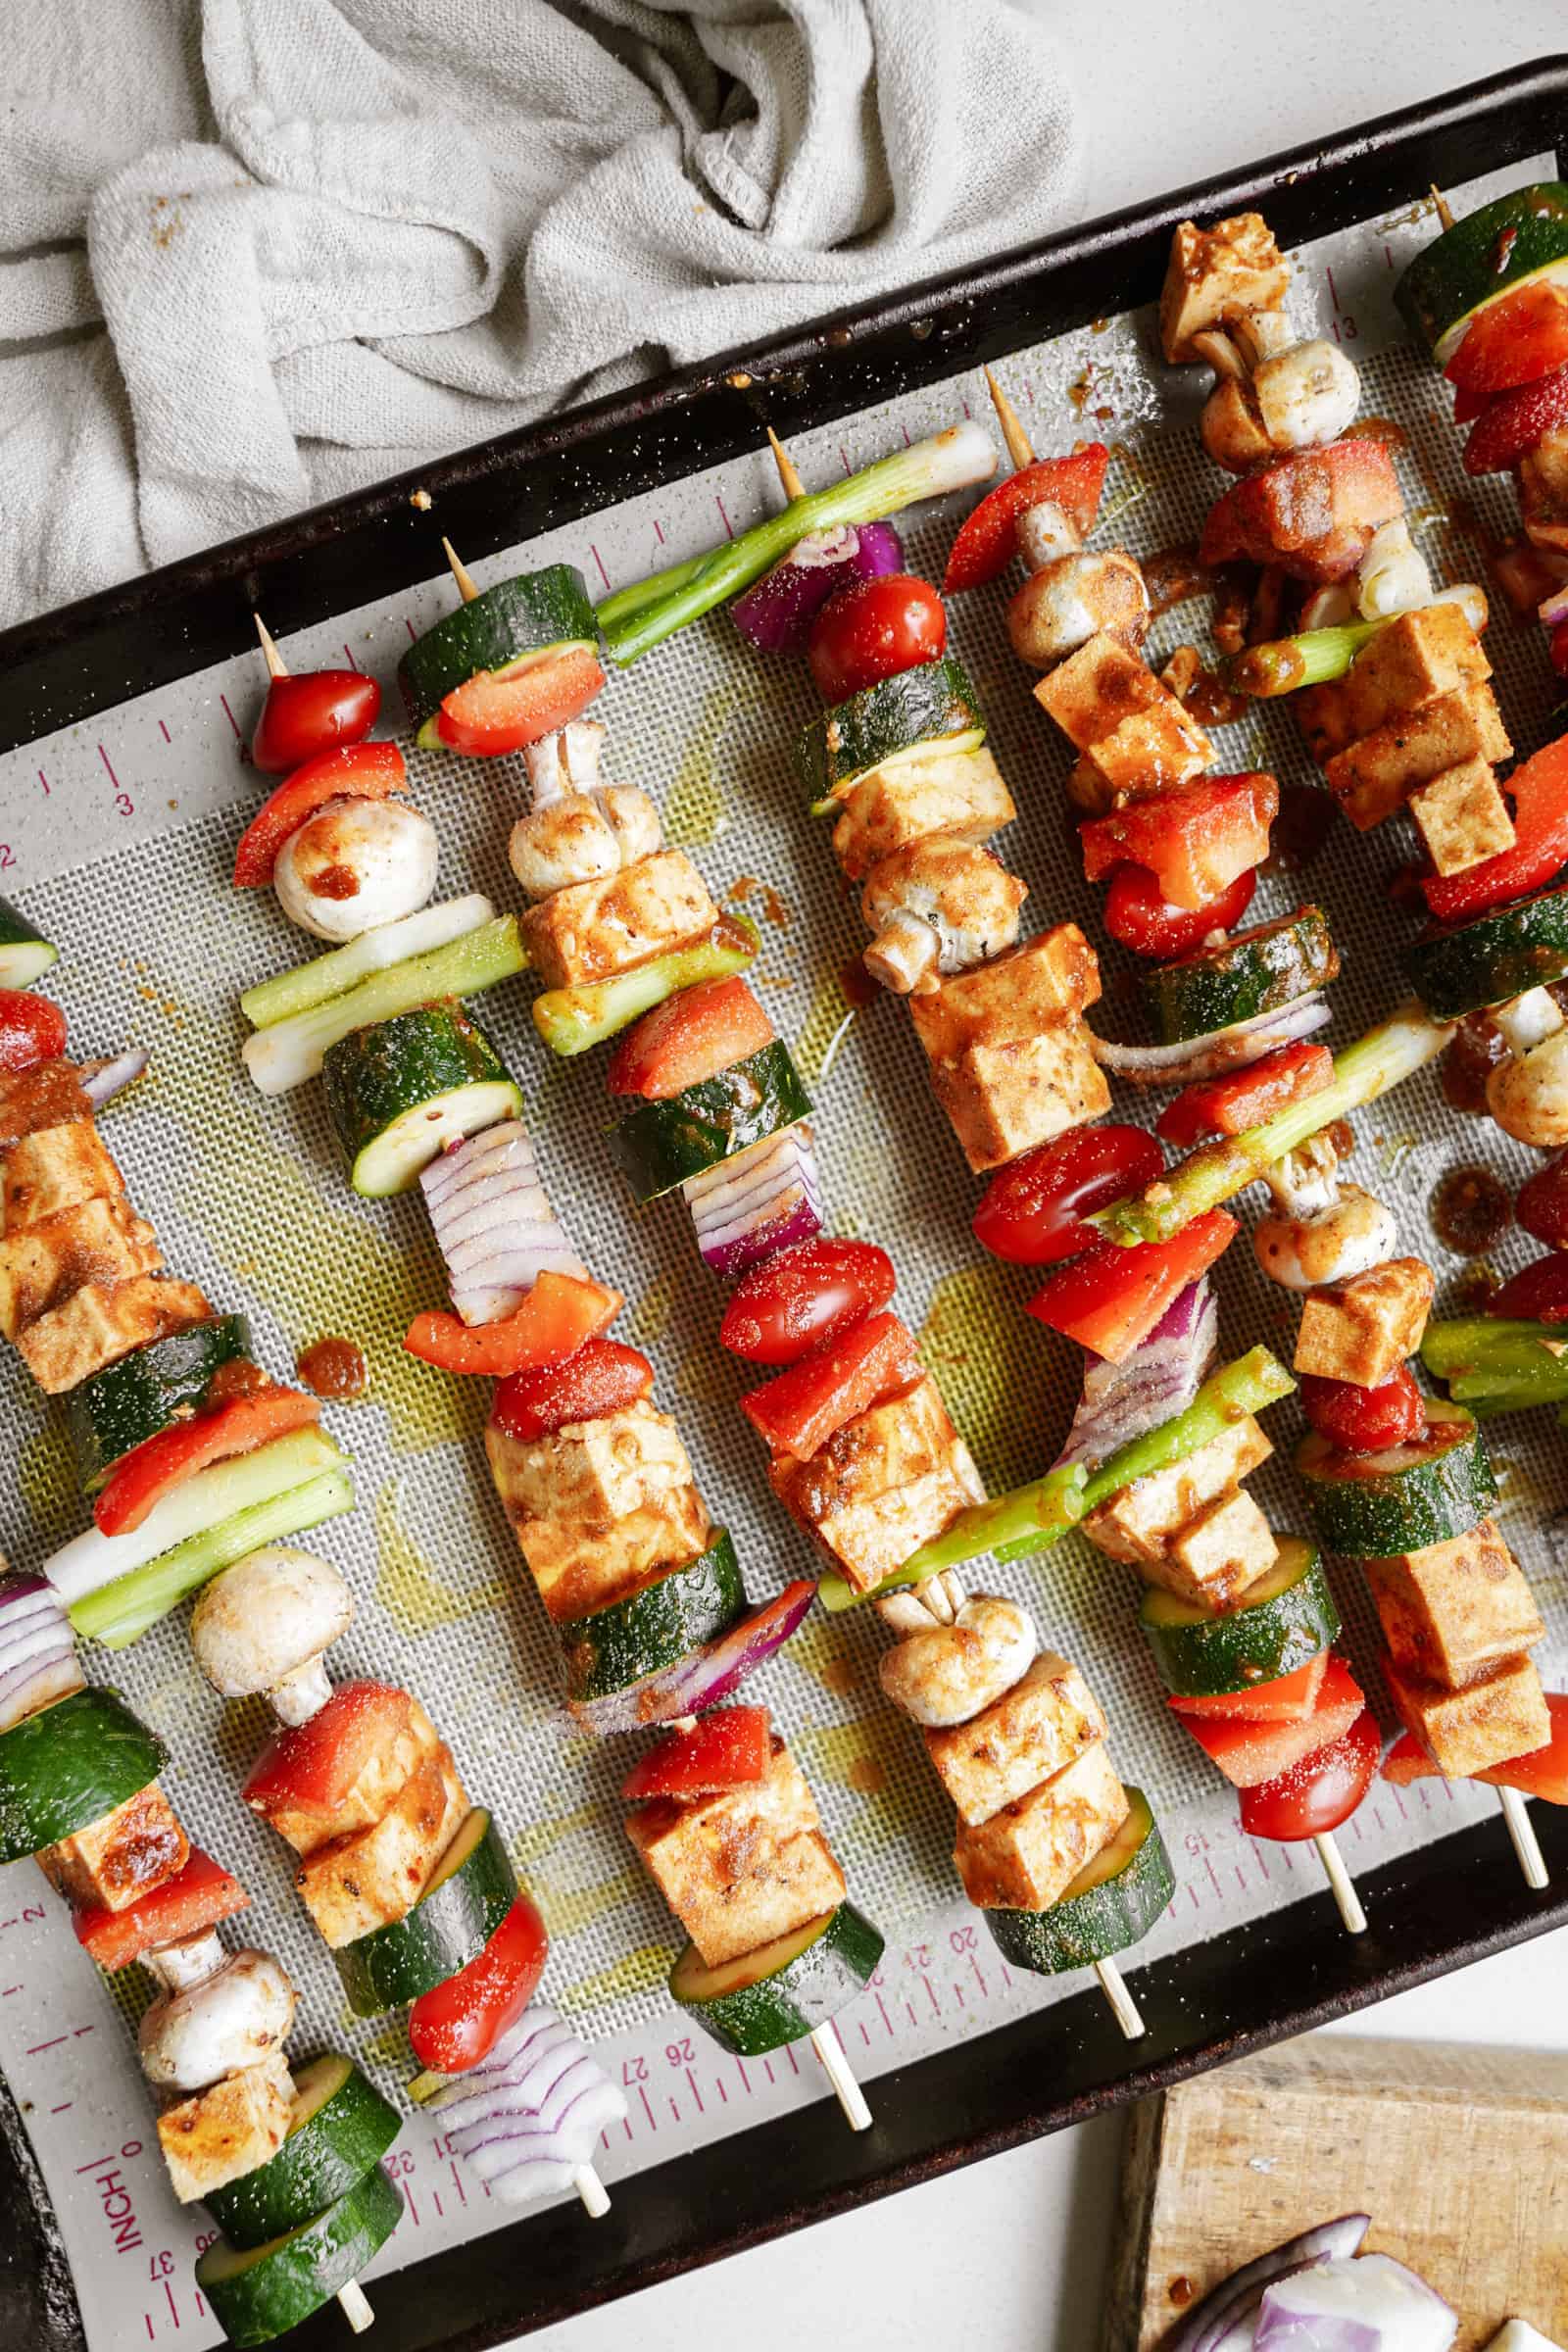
565,762
1331,1244
263,1625
230,2019
951,1673
1060,608
1231,429
1306,395
940,904
577,829
1528,1094
190,1961
566,841
355,864
1044,532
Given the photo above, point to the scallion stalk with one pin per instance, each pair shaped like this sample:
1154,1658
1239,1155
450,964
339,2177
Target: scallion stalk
1496,1364
1288,664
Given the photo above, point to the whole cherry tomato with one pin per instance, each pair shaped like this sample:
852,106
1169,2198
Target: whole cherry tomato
313,713
1033,1211
1320,1793
1138,917
805,1298
1543,1204
1536,1294
33,1029
873,630
1364,1420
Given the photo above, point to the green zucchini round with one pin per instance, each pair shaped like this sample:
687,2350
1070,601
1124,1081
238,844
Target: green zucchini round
340,2126
656,1626
1112,1902
660,1145
1284,1618
1250,972
1372,1505
140,1394
785,1989
261,2292
1463,967
1491,252
401,1092
68,1765
470,1891
932,704
524,615
25,954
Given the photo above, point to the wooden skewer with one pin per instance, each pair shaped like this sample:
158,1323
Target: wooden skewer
1123,2006
351,2299
851,2097
1012,432
1444,212
1341,1880
1532,1861
275,664
794,488
592,2190
465,587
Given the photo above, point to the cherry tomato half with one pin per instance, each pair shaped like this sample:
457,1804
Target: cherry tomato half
1536,1294
33,1029
603,1377
1137,916
873,630
315,712
450,2029
805,1298
1543,1203
1364,1420
1033,1211
1320,1791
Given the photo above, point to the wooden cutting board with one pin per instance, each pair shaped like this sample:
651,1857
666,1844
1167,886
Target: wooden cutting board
1459,2154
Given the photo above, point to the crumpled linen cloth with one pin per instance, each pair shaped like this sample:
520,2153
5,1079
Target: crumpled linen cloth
329,238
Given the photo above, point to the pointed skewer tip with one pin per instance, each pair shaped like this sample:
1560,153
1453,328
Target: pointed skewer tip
1341,1883
1012,432
275,665
1124,2008
466,588
354,2307
1520,1829
840,2073
592,2190
793,485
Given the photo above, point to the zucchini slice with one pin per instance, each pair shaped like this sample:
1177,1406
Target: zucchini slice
1280,1621
572,1019
261,2292
783,1990
536,613
1251,972
654,1627
660,1145
138,1394
913,710
1373,1505
1491,252
1112,1902
400,1093
468,1894
25,955
340,2126
1464,966
68,1765
333,974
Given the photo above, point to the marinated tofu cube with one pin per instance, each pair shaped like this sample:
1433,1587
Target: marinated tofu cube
1364,1329
883,1484
102,1322
121,1856
740,1868
1097,689
1500,1712
1003,1100
596,1469
889,809
1003,1003
584,1560
1452,1610
1027,1855
1417,657
1221,1551
55,1168
1155,751
1377,773
226,2130
364,1881
592,929
1543,491
49,1095
1462,816
1323,720
1216,275
100,1240
386,1771
1140,1522
1033,1730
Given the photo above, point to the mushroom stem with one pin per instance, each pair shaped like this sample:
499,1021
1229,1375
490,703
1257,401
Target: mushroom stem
1012,432
302,1694
275,665
794,488
459,572
1221,353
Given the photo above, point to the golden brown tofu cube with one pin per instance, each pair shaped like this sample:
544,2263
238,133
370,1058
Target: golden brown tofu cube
384,1772
581,1561
1377,773
1321,715
364,1881
596,1469
1502,1712
121,1856
1156,751
743,1867
1543,491
1097,689
1462,817
1452,1609
1032,1731
1221,1551
591,929
1217,274
1364,1330
226,2130
891,807
1417,657
1024,1857
49,1095
1138,1523
1003,1100
1006,1001
100,1240
102,1322
883,1484
55,1168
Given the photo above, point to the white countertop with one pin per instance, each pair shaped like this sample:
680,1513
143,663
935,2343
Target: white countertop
1010,2253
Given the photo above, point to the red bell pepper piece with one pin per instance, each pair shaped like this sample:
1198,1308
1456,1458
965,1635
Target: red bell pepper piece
356,771
1540,793
1364,1420
1245,1097
1249,1752
1319,1792
1288,1698
497,710
799,1411
1517,339
33,1029
603,1377
1313,513
459,2023
692,1036
1110,1300
557,1316
141,1478
314,711
1195,842
309,1767
725,1750
988,540
1468,406
194,1899
1542,1771
1512,422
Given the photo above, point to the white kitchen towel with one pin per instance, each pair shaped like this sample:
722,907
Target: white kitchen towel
327,238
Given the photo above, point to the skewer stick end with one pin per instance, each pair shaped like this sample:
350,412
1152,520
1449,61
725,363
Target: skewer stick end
1341,1883
459,572
1124,2008
1520,1829
793,485
592,2190
354,2306
1442,207
851,2097
1012,432
275,665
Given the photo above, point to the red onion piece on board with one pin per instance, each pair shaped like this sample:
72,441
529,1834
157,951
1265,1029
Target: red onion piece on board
1371,2304
37,1649
776,614
493,1222
1158,1380
1207,2326
704,1677
527,2115
102,1081
1221,1050
765,1198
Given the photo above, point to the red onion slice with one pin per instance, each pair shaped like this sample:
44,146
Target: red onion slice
1206,2326
493,1223
531,2113
37,1649
102,1081
1158,1380
704,1677
1221,1050
1369,2304
776,614
765,1198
